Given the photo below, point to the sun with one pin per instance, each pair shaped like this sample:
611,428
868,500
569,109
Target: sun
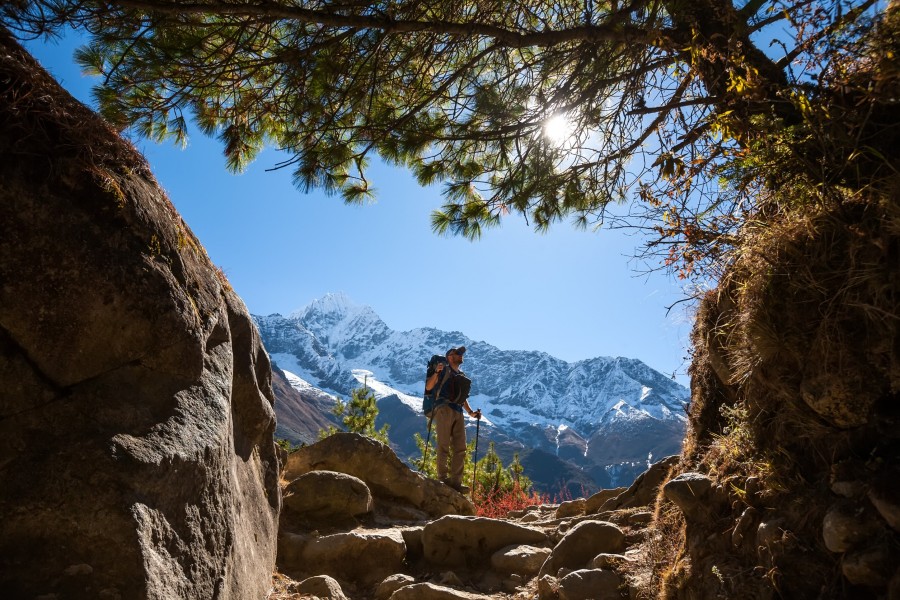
558,129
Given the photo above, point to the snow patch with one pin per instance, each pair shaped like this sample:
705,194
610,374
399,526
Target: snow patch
382,390
645,391
288,363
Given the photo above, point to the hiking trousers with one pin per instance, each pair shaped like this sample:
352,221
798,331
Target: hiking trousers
450,426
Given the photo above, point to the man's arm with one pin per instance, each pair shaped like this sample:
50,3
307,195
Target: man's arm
470,412
432,379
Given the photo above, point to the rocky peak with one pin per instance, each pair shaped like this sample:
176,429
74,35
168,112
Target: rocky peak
346,328
524,386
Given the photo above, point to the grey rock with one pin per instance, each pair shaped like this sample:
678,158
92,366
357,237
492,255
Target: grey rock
134,381
644,489
609,561
593,504
770,537
571,508
590,584
769,533
320,586
845,476
640,518
412,536
458,541
871,567
328,495
849,489
847,524
548,587
449,579
364,557
688,491
520,559
581,544
885,497
635,537
743,526
392,584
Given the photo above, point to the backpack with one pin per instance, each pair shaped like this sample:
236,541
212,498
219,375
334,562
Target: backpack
456,390
453,386
430,399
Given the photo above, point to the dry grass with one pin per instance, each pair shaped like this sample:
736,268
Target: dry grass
795,356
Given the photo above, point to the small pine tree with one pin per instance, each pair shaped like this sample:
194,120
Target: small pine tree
358,416
517,472
492,478
287,445
426,464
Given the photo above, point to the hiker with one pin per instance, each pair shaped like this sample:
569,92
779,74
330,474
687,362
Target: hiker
451,400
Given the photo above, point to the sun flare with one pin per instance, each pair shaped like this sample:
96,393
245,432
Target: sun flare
558,129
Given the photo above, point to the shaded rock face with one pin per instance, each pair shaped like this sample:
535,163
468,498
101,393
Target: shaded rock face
794,435
794,426
136,423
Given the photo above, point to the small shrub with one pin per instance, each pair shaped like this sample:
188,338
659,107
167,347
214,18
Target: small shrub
498,502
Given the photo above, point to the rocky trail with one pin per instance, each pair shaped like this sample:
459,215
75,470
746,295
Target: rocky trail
357,523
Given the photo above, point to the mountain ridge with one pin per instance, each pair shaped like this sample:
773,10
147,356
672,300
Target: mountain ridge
335,345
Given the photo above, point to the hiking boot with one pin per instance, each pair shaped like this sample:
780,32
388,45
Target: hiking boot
462,489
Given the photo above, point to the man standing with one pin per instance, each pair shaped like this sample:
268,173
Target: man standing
452,398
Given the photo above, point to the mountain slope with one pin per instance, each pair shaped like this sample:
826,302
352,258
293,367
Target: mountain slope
596,414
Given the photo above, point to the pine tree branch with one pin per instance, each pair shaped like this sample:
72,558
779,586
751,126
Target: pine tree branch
611,30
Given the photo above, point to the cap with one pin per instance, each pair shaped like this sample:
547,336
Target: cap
460,350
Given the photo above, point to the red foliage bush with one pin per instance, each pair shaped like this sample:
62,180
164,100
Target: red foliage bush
497,503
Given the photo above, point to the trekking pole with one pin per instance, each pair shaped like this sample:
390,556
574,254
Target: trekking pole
475,460
427,438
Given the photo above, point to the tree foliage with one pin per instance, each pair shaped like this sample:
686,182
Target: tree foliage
684,105
358,416
492,477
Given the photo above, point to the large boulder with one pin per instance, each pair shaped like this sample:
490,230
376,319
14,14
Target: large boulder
590,584
136,423
327,496
363,557
581,544
520,559
378,466
461,541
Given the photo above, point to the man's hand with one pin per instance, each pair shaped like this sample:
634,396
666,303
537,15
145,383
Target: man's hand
477,414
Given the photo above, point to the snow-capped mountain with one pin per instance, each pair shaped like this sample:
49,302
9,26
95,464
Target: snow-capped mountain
597,414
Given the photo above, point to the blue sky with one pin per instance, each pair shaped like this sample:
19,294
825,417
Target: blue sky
573,294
